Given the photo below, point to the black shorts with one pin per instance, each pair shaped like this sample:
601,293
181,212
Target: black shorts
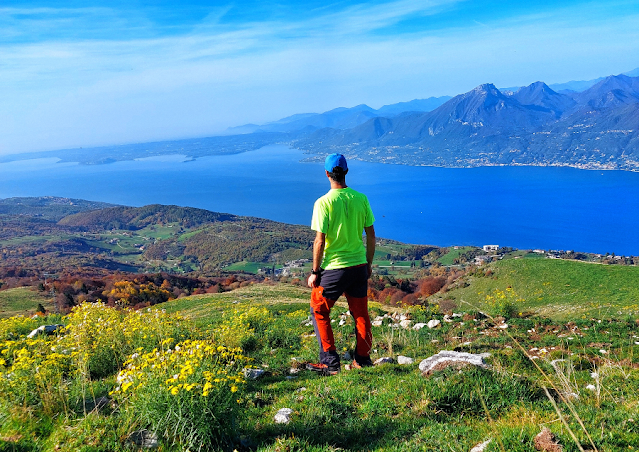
350,280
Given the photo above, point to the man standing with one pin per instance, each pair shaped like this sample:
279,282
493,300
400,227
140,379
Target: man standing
341,265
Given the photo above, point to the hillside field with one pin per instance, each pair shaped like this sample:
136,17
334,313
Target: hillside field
554,288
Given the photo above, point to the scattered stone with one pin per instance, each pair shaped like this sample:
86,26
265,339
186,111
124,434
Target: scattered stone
481,447
503,326
377,322
342,322
433,323
404,317
294,370
405,323
144,439
283,416
253,374
404,360
379,317
418,326
447,358
44,329
96,404
384,360
302,389
448,318
457,315
603,352
546,441
591,387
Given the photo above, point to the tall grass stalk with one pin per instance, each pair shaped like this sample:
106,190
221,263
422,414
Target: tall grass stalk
564,399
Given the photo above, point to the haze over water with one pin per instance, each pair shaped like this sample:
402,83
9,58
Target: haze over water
522,207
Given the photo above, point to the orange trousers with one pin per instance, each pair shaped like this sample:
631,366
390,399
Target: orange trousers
320,314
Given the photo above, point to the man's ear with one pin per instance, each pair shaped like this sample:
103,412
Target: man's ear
327,174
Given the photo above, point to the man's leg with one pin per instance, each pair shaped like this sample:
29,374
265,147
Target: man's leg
357,297
320,315
359,310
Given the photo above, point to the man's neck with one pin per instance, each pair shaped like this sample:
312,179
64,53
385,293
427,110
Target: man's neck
338,185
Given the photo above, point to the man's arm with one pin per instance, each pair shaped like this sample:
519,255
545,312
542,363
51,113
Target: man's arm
318,254
370,248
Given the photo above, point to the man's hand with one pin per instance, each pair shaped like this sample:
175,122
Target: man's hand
313,281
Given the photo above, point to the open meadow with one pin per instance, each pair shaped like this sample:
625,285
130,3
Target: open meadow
175,375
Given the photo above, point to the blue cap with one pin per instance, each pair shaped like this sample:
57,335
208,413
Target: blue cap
333,161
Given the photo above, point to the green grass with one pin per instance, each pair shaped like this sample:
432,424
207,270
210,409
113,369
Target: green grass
448,258
249,267
22,301
558,289
393,408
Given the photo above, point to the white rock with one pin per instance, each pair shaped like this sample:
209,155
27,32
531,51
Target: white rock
44,329
481,447
342,322
405,324
404,360
379,317
418,326
384,360
594,375
283,416
434,323
503,326
457,315
591,388
403,317
294,370
603,352
377,323
253,374
448,319
449,355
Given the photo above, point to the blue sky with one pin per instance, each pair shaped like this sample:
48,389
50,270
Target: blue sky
86,73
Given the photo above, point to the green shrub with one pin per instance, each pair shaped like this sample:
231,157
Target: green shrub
189,395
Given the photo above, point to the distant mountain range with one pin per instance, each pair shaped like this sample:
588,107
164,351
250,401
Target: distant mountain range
595,128
339,118
585,124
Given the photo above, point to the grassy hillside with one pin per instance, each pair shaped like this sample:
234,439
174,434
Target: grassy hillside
389,407
556,288
22,301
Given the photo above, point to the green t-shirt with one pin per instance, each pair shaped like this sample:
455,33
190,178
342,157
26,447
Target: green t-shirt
342,214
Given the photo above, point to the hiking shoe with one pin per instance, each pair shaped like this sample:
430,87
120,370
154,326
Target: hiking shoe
323,369
362,361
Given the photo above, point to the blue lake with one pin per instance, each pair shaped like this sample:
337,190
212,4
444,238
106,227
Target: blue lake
522,207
